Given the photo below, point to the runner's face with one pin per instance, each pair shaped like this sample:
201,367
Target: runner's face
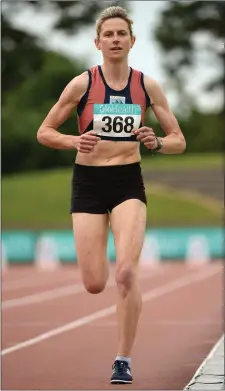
115,40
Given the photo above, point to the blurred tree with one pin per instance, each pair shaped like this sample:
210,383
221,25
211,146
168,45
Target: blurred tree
32,80
21,55
24,109
204,132
22,52
69,16
179,26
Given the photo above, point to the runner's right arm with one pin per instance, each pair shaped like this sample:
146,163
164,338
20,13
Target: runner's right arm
48,134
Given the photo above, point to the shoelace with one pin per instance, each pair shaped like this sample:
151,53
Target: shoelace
120,367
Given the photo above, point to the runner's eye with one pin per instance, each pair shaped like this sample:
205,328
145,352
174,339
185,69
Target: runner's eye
108,34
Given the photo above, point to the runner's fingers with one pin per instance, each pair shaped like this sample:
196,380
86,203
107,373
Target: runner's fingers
92,132
143,135
85,149
88,142
90,137
148,139
149,144
143,129
140,136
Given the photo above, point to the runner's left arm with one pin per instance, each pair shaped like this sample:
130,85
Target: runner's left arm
174,141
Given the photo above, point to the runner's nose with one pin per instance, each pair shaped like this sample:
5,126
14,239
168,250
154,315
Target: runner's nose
115,40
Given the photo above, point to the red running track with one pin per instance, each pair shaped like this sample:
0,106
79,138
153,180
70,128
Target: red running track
55,336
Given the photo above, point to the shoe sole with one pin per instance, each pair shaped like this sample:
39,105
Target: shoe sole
121,381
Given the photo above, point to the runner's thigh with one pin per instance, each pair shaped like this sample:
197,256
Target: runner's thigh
90,236
128,223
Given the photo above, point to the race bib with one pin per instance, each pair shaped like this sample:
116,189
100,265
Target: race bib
116,120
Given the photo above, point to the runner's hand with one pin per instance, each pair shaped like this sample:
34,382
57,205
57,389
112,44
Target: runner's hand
146,136
87,141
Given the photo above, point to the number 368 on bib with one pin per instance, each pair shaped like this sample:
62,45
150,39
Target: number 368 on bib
116,120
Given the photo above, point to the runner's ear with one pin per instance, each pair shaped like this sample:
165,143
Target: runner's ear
133,40
97,44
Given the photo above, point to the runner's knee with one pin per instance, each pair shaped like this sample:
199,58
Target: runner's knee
125,277
94,285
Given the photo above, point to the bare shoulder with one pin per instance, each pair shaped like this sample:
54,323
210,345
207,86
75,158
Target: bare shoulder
153,89
76,88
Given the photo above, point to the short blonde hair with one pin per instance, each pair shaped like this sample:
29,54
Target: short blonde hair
113,12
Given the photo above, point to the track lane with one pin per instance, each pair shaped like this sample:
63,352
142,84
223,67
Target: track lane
53,364
25,322
36,281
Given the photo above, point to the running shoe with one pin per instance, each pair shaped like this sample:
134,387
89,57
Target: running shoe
121,373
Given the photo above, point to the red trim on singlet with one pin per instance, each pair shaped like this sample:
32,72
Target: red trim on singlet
96,95
137,93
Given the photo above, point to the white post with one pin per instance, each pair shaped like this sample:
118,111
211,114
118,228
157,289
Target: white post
150,254
198,252
46,255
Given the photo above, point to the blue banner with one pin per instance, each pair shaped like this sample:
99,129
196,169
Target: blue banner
18,246
165,243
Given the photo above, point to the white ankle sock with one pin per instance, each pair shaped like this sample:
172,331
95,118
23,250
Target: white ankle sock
123,358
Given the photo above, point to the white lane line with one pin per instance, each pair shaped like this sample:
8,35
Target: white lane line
201,368
57,292
147,296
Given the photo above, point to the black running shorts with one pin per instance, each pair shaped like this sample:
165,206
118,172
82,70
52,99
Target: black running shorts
98,189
